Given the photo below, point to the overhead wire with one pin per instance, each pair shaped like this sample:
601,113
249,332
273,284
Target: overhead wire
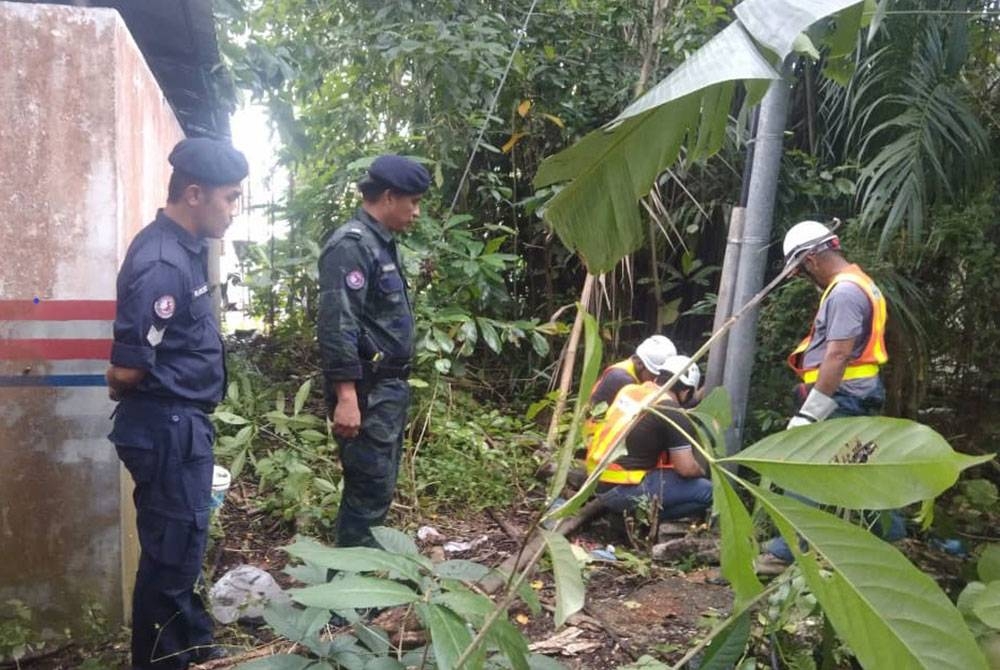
492,107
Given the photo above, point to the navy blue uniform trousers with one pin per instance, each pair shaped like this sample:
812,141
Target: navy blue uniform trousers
167,448
371,462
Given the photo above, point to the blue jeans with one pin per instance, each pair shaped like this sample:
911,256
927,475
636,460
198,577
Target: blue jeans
679,496
891,528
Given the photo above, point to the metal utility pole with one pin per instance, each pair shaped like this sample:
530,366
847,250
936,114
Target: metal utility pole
753,257
730,266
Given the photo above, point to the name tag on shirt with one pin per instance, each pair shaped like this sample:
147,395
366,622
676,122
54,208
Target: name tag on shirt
200,291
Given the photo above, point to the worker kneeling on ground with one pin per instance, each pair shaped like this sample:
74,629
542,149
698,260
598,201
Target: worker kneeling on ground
643,366
659,461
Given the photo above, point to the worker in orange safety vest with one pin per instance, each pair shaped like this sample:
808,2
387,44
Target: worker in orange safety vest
839,360
658,461
642,366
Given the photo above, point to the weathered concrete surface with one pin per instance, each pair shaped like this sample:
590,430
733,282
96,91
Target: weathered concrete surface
82,167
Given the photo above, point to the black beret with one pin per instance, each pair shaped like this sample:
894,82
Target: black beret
211,162
400,174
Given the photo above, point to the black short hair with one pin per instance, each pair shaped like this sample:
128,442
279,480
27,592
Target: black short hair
372,189
179,181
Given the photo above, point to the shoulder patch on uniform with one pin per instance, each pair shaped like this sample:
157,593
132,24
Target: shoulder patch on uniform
354,231
155,335
165,306
354,279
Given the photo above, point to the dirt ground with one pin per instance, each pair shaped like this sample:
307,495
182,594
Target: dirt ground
633,607
627,614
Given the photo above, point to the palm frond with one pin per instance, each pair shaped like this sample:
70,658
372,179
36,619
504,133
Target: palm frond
919,141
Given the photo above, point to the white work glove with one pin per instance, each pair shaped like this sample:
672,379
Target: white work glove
817,407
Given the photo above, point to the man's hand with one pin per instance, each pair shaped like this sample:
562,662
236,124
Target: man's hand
121,379
346,418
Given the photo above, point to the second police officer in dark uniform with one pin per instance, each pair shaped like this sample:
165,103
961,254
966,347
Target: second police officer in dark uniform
168,373
365,332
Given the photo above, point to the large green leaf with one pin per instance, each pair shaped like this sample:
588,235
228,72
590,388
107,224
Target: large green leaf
473,607
714,415
612,168
727,647
449,636
353,559
910,462
987,605
777,23
569,581
295,623
738,547
844,37
716,408
511,642
459,568
891,614
597,214
729,56
301,396
593,350
355,592
988,566
398,542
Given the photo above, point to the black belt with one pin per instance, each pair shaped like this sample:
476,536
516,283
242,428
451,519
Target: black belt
377,370
162,403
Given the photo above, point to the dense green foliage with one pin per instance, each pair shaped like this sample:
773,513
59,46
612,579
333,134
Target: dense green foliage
893,130
462,455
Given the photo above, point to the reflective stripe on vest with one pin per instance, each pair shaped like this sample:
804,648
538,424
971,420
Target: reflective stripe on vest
873,355
626,405
591,425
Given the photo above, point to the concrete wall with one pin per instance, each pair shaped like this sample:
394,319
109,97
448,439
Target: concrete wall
83,148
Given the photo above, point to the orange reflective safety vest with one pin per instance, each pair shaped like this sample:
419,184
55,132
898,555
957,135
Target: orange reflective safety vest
591,425
626,405
873,355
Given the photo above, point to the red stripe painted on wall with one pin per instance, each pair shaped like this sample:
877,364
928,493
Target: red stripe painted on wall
54,350
57,310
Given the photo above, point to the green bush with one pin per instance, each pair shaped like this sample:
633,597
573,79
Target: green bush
469,456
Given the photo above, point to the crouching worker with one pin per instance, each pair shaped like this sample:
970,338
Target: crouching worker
659,461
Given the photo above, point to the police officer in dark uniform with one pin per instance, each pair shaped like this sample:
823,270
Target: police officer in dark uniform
365,334
167,372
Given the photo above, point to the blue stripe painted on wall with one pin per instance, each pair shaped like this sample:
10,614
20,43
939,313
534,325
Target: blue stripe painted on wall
52,380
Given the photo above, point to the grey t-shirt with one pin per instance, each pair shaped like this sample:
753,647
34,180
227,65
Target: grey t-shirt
846,313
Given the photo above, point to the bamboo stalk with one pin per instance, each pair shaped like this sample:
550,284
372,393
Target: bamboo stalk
568,363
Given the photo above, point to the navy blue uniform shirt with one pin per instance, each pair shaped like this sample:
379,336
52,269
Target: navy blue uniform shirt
364,309
164,322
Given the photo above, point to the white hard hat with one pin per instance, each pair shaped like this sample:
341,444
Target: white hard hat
691,376
805,236
654,352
